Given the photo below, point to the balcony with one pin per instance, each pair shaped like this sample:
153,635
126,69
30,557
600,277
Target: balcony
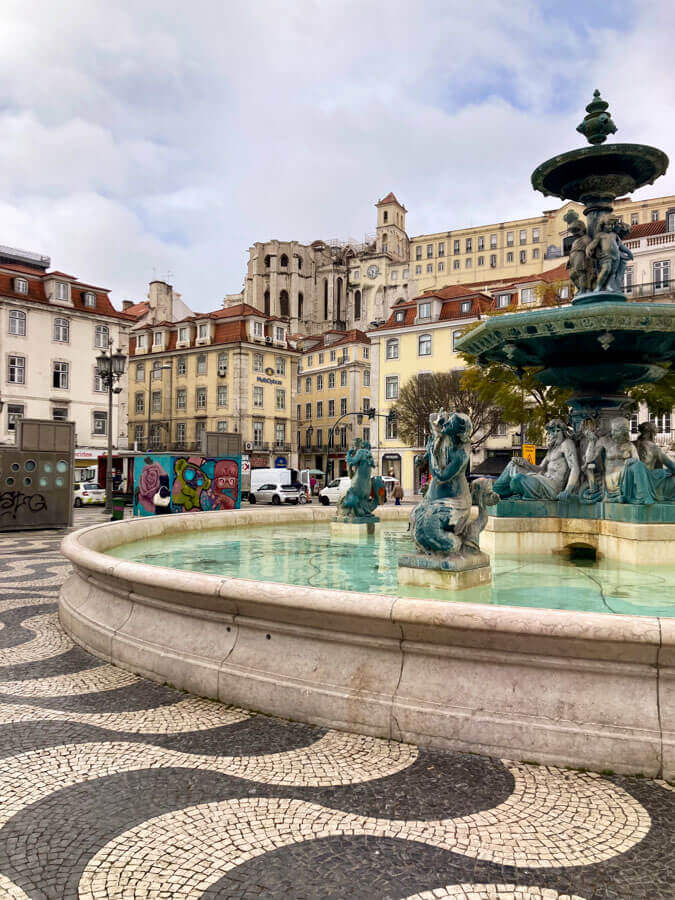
660,290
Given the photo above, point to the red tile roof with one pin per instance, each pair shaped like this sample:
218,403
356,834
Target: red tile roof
390,198
354,336
560,273
647,229
450,309
137,309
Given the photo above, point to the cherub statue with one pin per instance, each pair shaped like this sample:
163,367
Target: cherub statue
621,230
580,266
604,250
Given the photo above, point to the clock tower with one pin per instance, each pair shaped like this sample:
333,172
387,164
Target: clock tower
391,234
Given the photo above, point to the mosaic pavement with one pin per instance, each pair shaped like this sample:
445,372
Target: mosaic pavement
112,786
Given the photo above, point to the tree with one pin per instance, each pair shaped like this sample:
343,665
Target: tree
659,397
549,293
426,394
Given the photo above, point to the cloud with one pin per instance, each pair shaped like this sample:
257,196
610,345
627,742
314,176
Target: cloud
143,139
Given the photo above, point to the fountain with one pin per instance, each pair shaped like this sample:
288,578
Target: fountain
536,657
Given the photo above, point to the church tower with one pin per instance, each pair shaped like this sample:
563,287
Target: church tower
391,234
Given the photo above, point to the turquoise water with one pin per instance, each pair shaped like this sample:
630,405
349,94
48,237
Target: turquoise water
308,555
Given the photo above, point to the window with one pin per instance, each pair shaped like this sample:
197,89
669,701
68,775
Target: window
100,423
258,398
319,409
281,398
308,384
465,306
391,387
62,290
258,329
481,243
203,330
310,361
331,380
17,322
366,404
89,298
156,370
430,268
564,292
628,280
60,414
180,432
201,364
200,431
280,432
139,403
394,275
60,375
418,270
509,257
634,219
400,316
661,272
222,362
481,260
662,423
535,253
430,251
343,437
418,252
181,398
456,335
655,215
140,341
468,263
392,429
283,261
503,301
298,412
181,366
157,339
493,242
308,411
331,408
500,429
356,274
366,377
319,437
61,330
221,426
366,352
183,334
156,401
523,256
455,246
523,236
20,285
527,295
139,433
155,436
425,311
493,260
99,386
101,336
509,239
200,398
406,274
280,365
441,248
343,378
455,264
343,406
14,413
441,267
321,358
535,235
392,348
468,246
670,220
279,333
424,345
319,382
221,395
258,362
366,435
385,216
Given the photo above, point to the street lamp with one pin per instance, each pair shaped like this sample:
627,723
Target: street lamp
110,368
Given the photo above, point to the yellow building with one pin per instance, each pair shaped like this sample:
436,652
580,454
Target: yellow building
418,338
503,250
231,370
333,381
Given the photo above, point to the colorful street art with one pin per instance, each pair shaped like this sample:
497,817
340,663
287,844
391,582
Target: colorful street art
171,484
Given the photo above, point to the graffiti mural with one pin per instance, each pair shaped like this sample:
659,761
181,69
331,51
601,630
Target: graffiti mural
175,484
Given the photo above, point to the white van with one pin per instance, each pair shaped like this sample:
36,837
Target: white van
270,476
334,490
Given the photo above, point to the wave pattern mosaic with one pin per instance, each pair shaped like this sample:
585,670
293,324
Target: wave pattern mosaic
116,787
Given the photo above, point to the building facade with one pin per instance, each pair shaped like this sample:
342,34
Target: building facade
52,328
333,393
231,370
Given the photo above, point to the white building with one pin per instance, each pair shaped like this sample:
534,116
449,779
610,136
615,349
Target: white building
52,328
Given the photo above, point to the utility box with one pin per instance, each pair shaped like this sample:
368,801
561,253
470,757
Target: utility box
36,476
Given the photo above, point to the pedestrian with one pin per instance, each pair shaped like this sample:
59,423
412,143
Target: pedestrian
398,493
312,484
383,495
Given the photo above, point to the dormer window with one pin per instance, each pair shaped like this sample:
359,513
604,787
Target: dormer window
89,298
400,316
157,339
425,311
62,290
21,285
466,306
183,334
257,329
279,334
141,342
204,330
503,301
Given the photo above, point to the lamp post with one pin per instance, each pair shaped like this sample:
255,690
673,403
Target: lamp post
308,438
110,368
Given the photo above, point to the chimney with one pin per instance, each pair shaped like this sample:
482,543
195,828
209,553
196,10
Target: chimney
160,296
127,304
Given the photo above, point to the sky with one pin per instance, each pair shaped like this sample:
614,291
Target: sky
159,139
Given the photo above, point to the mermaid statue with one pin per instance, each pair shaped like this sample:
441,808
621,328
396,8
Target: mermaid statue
356,505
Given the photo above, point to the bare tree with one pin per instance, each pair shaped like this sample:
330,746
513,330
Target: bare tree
425,394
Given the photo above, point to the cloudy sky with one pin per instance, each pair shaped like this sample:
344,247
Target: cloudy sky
149,139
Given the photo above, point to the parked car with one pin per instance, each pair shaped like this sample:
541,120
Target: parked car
334,490
278,494
87,493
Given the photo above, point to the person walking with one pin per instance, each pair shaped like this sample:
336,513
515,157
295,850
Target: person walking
398,493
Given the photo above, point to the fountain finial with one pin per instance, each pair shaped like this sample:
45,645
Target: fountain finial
598,123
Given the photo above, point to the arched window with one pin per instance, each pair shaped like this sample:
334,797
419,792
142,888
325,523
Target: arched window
267,303
267,261
325,299
101,336
299,263
357,305
338,307
17,321
61,330
424,345
283,261
392,348
385,216
284,304
301,304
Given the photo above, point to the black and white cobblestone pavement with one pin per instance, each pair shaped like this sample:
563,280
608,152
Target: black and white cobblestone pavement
112,786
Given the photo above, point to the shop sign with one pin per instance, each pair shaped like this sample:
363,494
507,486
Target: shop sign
259,462
84,453
269,380
280,462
